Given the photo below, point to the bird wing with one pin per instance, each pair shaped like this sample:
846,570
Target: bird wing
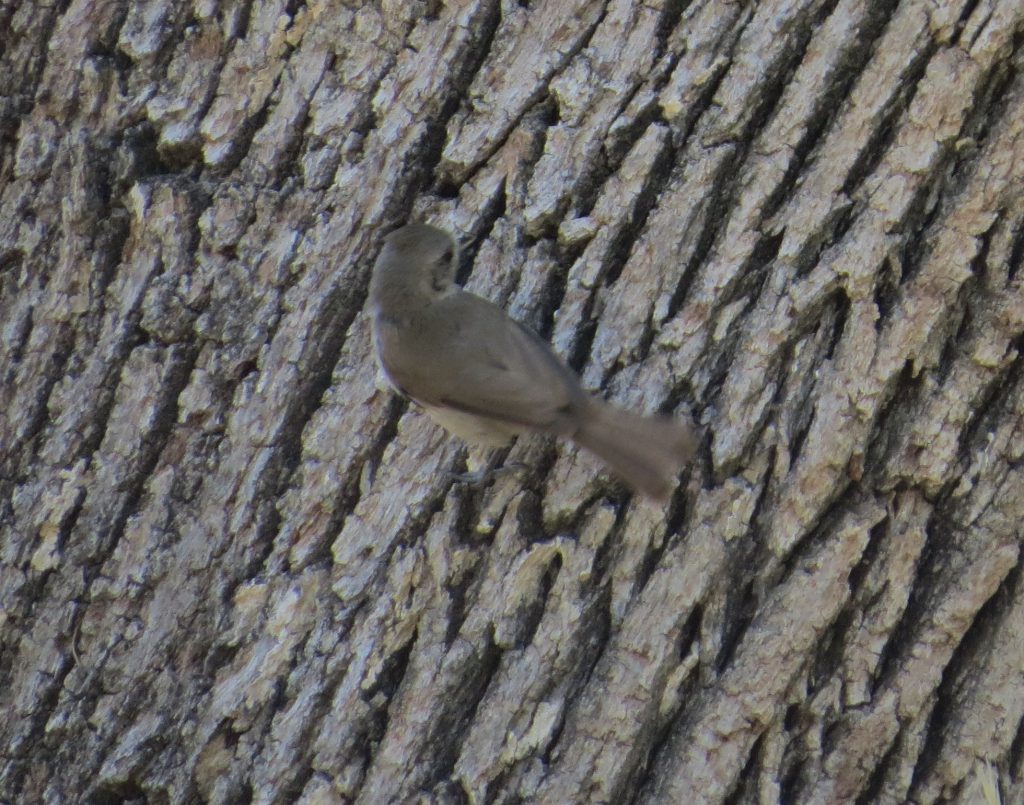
494,368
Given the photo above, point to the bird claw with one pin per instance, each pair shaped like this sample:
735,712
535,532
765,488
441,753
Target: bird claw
485,474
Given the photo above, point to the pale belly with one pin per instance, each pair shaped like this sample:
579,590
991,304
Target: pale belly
471,428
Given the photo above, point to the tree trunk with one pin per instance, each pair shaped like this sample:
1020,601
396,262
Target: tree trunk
234,567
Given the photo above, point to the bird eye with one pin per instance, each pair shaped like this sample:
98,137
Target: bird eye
447,256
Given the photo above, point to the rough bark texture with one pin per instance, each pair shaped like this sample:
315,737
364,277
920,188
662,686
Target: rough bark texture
234,568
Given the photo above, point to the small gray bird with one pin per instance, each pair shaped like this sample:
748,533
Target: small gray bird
486,378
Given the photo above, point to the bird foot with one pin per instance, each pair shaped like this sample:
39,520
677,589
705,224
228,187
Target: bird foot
484,474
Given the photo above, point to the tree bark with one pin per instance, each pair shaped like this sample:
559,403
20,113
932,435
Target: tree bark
234,567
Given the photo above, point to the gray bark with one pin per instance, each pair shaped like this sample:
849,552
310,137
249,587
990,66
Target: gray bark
234,567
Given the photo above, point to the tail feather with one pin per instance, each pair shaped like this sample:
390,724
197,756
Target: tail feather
647,452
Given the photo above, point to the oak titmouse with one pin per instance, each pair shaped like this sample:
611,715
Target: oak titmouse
485,377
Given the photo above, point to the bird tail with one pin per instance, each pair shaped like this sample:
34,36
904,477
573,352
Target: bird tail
647,452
